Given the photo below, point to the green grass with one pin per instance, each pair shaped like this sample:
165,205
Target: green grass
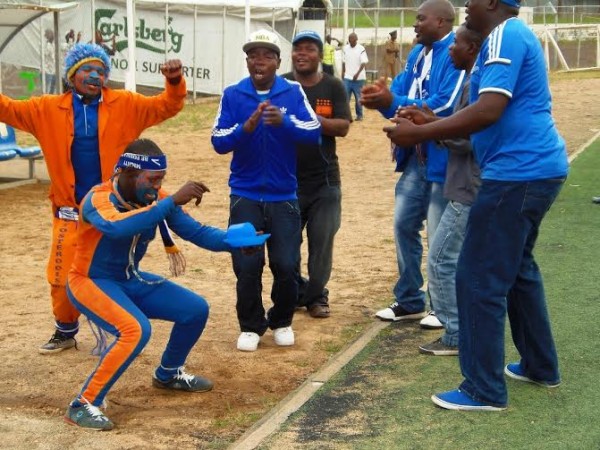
193,117
381,399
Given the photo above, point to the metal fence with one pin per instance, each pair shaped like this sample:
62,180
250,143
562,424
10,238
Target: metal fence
578,46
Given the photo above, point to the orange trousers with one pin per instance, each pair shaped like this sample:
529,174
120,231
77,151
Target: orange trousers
62,253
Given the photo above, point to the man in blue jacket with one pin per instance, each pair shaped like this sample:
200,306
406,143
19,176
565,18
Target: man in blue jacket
261,120
429,78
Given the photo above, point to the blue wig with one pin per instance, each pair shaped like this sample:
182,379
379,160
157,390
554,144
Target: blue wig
82,53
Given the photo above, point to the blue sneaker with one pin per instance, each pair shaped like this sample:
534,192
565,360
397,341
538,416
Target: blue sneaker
88,416
183,381
459,401
516,372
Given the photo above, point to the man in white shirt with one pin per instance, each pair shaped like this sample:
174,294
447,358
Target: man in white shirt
354,71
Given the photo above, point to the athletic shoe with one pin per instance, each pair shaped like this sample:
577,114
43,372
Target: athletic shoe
183,381
57,343
515,371
319,311
459,401
284,336
88,416
395,312
438,348
431,322
248,341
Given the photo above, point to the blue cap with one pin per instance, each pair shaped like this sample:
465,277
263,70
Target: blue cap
310,35
244,235
513,3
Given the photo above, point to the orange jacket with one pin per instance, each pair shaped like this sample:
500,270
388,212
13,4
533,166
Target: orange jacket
122,116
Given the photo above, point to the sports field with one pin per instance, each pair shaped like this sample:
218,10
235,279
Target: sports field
35,389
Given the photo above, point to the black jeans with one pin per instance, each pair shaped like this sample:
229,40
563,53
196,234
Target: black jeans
282,220
321,212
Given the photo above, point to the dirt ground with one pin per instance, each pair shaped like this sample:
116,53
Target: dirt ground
35,389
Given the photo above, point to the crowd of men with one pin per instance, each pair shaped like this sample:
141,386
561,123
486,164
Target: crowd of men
469,170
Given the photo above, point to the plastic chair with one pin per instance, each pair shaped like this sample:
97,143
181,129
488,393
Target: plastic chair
8,141
9,148
7,154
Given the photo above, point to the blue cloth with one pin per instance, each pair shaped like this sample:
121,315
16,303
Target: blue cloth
442,259
111,254
282,220
263,167
416,200
141,302
85,150
441,91
524,143
497,272
353,87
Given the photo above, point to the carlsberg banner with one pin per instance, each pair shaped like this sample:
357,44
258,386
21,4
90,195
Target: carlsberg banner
218,61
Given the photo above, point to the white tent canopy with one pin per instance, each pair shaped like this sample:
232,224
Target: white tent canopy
16,16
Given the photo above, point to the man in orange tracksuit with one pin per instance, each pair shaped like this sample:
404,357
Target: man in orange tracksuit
82,134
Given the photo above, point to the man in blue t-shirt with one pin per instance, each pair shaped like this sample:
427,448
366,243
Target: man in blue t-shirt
523,166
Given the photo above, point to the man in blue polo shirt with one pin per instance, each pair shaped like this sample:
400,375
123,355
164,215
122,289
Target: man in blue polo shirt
523,167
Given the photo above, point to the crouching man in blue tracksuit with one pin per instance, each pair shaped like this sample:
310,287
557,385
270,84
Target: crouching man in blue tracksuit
260,120
117,222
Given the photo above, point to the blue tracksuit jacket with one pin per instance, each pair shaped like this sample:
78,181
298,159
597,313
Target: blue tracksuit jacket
263,167
444,84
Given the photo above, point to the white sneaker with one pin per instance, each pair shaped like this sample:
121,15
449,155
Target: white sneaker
431,322
248,341
284,336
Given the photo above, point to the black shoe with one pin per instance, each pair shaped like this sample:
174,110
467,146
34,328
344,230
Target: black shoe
57,343
395,312
438,348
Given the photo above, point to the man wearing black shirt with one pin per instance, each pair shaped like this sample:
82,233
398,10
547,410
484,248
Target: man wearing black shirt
318,171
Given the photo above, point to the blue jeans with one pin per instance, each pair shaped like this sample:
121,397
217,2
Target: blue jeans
282,220
497,273
416,200
354,87
50,83
444,250
321,212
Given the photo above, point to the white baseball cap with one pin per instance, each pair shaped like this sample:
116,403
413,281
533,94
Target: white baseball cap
262,39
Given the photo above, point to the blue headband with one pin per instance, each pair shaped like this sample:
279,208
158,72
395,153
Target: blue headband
513,3
142,162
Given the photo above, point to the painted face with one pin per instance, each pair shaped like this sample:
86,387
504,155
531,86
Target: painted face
262,64
147,184
306,57
426,26
461,51
89,79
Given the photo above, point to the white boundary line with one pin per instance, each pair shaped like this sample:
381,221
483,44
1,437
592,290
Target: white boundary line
580,150
254,436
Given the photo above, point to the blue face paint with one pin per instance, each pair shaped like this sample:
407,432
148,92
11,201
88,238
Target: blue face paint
147,185
92,74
